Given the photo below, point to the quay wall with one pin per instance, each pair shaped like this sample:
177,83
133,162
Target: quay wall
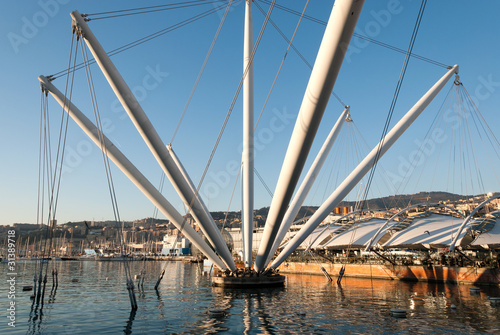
457,275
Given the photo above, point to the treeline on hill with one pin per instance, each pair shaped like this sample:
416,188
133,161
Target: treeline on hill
401,200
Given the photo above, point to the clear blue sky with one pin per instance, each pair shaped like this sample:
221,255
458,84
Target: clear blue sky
35,39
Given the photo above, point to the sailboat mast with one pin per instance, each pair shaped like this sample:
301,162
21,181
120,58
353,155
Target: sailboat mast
248,141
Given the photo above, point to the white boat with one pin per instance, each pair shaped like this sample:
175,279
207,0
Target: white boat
90,255
175,246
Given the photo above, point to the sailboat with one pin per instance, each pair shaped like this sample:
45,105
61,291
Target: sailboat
69,250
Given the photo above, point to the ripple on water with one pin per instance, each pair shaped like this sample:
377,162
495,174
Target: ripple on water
308,304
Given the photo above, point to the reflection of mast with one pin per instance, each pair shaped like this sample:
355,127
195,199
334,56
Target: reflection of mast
265,325
251,307
247,314
338,33
248,145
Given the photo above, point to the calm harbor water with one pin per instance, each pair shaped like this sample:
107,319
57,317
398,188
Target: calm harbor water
98,304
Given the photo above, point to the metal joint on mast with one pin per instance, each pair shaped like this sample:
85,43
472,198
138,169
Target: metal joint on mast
348,116
44,89
77,29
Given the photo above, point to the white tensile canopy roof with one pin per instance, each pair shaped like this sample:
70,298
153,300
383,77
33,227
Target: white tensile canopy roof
434,230
431,231
357,236
318,235
491,238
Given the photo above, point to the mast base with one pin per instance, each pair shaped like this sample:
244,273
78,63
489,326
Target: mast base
231,281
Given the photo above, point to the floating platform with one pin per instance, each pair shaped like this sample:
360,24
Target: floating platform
274,280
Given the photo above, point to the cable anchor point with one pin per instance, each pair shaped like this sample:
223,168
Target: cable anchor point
44,89
348,116
77,29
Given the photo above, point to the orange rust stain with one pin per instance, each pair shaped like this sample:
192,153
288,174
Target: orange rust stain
416,273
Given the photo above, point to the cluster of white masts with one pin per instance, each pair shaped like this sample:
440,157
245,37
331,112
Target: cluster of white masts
283,209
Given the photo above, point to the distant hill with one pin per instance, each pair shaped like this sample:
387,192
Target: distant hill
402,200
393,201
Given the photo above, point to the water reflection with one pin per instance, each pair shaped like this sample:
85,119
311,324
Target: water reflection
128,328
98,303
247,308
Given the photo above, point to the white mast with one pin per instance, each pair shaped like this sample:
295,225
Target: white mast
179,180
247,174
132,173
363,167
338,33
308,181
